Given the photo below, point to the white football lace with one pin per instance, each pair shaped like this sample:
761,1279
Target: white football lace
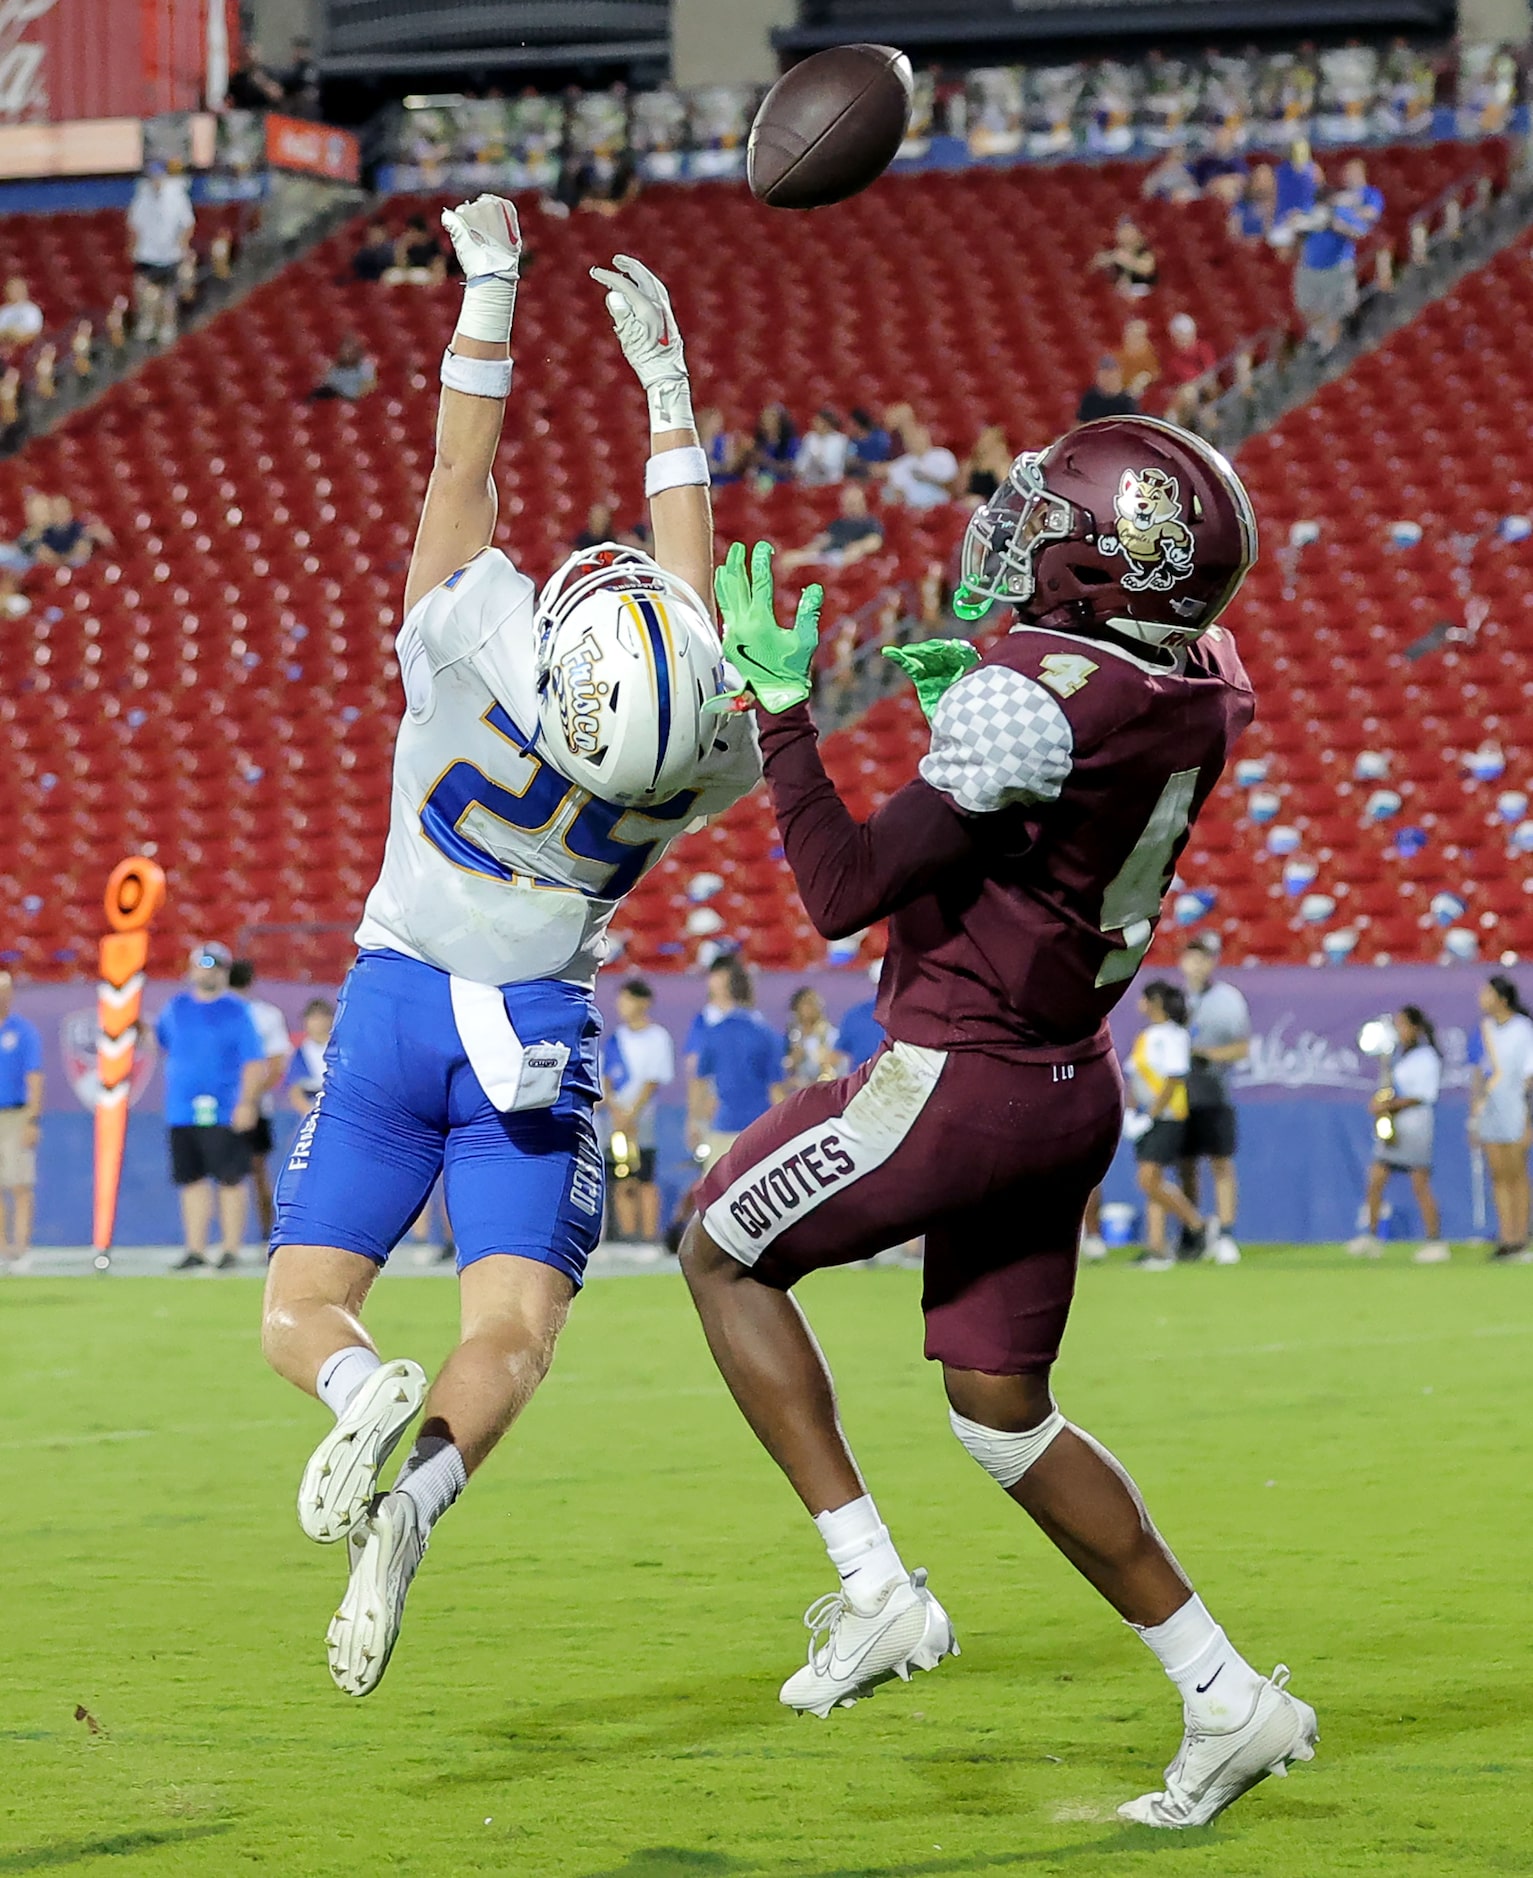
821,1621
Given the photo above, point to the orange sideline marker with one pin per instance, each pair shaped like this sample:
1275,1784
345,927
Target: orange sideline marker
134,894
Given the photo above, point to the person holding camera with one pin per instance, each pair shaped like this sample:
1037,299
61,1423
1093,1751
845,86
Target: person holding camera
1404,1123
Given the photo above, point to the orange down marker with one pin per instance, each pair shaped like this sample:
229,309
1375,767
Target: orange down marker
134,894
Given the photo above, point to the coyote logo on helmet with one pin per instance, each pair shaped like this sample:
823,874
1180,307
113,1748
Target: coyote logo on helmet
1150,535
579,694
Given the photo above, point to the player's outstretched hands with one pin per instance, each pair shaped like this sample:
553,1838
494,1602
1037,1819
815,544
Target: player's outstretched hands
933,666
773,660
646,330
486,237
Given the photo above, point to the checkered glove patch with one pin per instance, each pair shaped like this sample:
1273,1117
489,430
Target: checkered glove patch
998,739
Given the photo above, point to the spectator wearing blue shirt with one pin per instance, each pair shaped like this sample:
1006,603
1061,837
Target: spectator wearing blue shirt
739,1067
1299,181
215,1069
1325,285
871,443
21,1108
860,1033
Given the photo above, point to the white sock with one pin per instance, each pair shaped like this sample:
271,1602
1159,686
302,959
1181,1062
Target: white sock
432,1477
860,1549
1217,1684
342,1375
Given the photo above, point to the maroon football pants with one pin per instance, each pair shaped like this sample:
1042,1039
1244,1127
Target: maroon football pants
991,1160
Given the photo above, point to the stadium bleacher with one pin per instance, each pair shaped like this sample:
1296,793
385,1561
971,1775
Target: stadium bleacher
219,689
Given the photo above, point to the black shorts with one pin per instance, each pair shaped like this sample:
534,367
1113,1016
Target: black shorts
217,1154
1163,1144
1211,1133
641,1170
257,1140
157,273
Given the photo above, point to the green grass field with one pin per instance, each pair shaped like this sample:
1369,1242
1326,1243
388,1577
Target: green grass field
586,1685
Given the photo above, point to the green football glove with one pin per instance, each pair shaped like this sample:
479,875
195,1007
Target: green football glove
772,660
933,665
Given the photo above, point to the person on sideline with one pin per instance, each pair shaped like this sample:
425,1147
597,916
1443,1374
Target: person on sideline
1219,1023
1410,1103
21,1110
638,1060
271,1028
1502,1059
812,1051
215,1070
306,1076
1157,1072
739,1067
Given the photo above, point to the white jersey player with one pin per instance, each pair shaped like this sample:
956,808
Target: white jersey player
552,745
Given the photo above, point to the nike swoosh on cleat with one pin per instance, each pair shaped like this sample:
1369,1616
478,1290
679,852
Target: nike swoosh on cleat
1204,1687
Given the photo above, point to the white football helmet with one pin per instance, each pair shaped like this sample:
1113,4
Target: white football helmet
627,659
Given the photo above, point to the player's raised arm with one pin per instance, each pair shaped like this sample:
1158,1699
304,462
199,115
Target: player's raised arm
676,480
458,518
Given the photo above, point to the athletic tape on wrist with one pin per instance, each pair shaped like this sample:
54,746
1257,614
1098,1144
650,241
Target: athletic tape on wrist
682,468
670,406
488,304
478,378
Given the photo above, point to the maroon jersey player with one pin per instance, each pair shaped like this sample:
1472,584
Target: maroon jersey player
1022,873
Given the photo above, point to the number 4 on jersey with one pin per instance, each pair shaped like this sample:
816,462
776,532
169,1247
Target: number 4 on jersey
1131,905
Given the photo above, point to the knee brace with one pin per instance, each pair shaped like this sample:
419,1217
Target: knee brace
1006,1458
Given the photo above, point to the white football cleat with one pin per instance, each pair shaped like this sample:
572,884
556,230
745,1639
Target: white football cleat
851,1651
1226,1252
1434,1252
342,1474
1365,1246
1093,1248
364,1630
1211,1771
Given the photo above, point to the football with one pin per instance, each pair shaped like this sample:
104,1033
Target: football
829,127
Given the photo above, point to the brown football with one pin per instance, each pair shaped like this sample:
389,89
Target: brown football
829,127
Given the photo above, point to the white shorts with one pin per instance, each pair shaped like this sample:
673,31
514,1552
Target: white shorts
18,1163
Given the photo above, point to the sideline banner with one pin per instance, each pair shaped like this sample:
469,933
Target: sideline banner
134,894
292,143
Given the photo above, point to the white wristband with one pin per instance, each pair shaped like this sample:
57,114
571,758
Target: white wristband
682,468
478,378
670,406
488,304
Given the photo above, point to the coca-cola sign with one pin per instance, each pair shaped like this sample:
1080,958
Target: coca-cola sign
23,75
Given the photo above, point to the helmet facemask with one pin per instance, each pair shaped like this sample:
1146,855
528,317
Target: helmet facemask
1004,536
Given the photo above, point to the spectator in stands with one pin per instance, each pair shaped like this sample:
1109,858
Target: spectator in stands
21,318
306,1076
821,456
419,257
987,466
1254,215
811,1048
1410,1103
775,446
300,82
726,450
376,255
251,86
638,1061
21,1113
870,443
1189,360
1325,283
1298,184
1171,180
1138,360
215,1068
67,540
598,528
352,373
897,421
160,224
13,412
739,1068
1130,260
851,537
271,1028
1106,395
1221,171
926,475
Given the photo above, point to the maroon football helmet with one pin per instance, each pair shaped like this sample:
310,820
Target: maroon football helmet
1127,524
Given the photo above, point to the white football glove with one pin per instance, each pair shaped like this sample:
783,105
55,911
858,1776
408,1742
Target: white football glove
487,239
646,330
